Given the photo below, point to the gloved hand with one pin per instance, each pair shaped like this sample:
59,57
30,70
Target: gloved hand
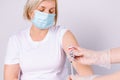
77,77
90,57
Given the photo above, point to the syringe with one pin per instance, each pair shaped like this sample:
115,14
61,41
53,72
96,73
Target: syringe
72,57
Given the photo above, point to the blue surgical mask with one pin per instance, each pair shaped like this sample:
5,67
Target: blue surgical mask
43,20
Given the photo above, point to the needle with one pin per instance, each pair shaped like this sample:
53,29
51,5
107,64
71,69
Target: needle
71,68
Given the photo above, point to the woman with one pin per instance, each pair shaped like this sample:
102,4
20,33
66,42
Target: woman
37,53
100,58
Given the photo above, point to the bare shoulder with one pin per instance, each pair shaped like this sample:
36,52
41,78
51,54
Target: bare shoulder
69,40
68,34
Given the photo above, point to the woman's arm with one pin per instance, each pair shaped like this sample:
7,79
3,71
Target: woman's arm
11,72
114,76
69,40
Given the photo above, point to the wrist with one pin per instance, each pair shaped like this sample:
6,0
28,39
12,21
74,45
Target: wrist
104,59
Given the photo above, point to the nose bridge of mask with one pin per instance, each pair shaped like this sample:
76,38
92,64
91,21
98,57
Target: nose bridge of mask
43,14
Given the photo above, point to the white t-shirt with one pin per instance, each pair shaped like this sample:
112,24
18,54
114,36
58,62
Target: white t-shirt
43,60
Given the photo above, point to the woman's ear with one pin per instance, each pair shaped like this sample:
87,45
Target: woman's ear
31,14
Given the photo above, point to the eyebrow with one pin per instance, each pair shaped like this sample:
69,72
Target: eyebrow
53,8
42,6
50,8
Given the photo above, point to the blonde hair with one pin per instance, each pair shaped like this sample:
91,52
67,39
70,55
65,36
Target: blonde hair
32,4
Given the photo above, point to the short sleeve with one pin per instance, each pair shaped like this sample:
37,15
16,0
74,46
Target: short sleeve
12,53
61,32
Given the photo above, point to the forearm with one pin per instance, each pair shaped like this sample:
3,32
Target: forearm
114,76
115,55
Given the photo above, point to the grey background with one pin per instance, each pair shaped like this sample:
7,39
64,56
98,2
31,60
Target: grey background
95,24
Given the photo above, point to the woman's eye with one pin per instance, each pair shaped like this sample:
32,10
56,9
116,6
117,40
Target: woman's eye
52,11
42,9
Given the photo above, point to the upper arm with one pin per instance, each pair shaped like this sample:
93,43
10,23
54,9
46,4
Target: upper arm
69,40
11,72
11,64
